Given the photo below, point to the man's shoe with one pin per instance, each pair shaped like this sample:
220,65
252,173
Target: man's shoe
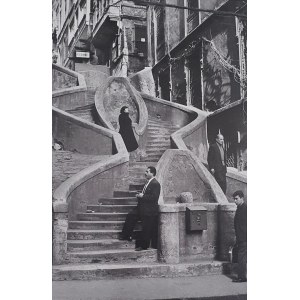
239,280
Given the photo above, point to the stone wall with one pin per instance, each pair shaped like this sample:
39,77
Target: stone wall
76,137
236,181
199,244
61,80
99,186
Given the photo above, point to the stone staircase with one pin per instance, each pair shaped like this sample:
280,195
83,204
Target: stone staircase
93,237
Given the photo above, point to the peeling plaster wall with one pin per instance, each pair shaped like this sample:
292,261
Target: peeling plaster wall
61,80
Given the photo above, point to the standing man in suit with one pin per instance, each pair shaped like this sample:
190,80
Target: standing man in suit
216,161
240,226
146,211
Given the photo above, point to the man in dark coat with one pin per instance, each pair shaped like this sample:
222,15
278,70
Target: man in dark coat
240,226
217,161
146,211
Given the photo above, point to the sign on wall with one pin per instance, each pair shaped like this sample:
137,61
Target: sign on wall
82,54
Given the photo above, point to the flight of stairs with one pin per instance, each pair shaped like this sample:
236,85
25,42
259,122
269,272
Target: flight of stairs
93,237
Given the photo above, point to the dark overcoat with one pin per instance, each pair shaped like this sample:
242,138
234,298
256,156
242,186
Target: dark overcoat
215,162
126,132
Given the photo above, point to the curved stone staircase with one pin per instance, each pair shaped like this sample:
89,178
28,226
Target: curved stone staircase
94,251
93,237
92,240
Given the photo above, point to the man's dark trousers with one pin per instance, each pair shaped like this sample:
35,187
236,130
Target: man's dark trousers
131,219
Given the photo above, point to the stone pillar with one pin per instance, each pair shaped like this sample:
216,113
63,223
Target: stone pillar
168,234
226,236
59,232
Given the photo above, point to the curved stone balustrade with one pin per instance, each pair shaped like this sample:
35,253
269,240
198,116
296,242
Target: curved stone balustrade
73,195
114,94
69,97
180,171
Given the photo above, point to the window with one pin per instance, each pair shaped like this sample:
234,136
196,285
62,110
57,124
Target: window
192,16
115,49
140,42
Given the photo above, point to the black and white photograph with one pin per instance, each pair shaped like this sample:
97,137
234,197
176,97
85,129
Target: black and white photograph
126,128
149,137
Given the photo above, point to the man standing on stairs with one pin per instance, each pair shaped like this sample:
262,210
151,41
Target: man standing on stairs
146,211
217,161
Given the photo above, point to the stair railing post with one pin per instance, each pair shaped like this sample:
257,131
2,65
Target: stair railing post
59,233
168,251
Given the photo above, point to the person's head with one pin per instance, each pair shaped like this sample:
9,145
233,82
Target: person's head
220,139
150,172
238,197
124,109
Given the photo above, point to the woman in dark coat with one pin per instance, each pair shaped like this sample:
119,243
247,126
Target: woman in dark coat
126,130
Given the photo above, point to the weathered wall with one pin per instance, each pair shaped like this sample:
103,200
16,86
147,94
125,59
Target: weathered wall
197,142
226,233
88,67
116,96
143,81
165,112
101,185
219,84
70,100
182,176
76,137
199,244
94,78
235,181
61,80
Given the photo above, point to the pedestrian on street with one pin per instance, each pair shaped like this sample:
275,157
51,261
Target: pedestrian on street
217,161
146,211
240,226
126,130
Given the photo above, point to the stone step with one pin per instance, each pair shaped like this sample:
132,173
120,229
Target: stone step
99,216
153,136
102,244
155,152
124,193
164,143
111,208
121,200
152,157
136,187
139,164
158,147
96,225
113,256
79,234
136,270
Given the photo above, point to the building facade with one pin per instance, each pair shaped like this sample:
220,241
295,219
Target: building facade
100,32
197,50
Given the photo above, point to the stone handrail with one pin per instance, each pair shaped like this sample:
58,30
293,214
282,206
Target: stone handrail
71,97
140,127
61,194
89,181
191,143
